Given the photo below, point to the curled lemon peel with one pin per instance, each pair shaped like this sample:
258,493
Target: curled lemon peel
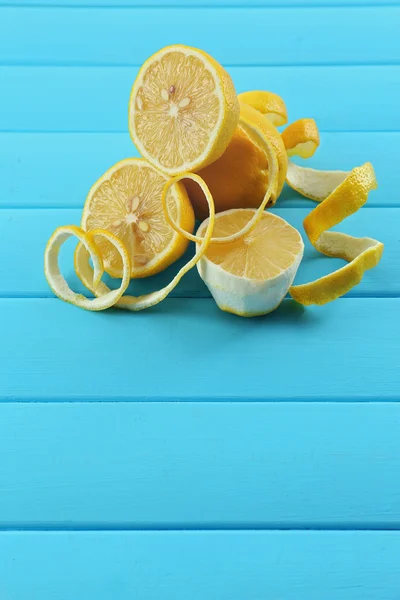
269,104
59,285
340,194
256,135
361,253
86,272
301,138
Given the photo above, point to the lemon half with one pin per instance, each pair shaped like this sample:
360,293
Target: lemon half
183,109
251,275
126,201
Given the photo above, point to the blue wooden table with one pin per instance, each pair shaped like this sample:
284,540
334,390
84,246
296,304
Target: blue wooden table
184,453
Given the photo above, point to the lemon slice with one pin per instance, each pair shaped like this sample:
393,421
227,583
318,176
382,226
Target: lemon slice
301,138
341,194
60,286
87,274
269,104
126,201
183,109
251,275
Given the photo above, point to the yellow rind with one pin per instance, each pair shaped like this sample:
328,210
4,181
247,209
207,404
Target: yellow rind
361,253
58,284
269,104
301,138
250,115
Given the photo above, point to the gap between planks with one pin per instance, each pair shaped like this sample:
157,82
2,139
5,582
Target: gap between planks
234,527
199,5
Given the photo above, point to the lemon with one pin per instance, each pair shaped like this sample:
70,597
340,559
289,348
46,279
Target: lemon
183,109
269,104
239,178
126,201
251,275
87,274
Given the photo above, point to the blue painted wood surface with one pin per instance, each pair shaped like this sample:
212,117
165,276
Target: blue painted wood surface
36,226
24,185
217,465
271,35
182,452
343,98
197,565
346,351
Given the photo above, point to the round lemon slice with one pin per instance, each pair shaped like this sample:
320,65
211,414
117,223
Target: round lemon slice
251,275
126,201
183,109
269,104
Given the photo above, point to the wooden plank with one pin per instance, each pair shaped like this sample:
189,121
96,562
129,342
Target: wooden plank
104,36
94,99
57,170
30,229
206,465
198,565
53,351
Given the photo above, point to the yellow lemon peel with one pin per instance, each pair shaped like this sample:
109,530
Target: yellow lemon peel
59,285
269,104
361,253
301,138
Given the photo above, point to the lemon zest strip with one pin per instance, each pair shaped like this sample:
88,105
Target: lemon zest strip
59,285
344,200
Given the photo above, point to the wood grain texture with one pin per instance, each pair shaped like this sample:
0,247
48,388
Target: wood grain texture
200,466
187,349
215,565
57,170
109,36
94,99
25,232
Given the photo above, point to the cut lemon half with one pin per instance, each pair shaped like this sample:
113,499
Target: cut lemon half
90,275
183,109
251,275
269,104
126,201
